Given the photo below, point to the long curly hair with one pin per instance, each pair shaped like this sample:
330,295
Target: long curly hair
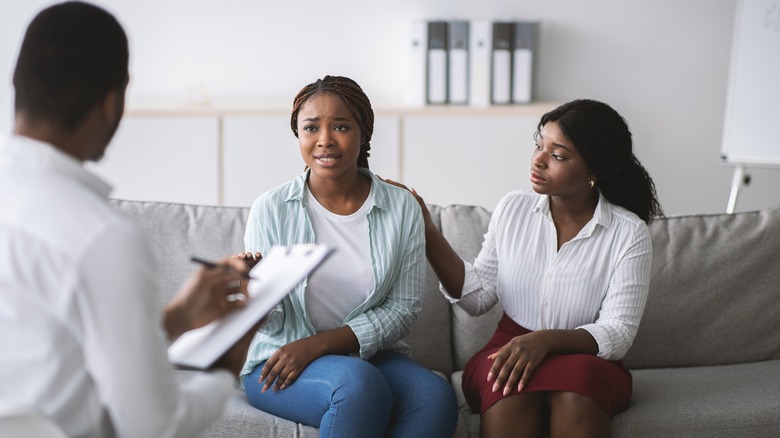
603,138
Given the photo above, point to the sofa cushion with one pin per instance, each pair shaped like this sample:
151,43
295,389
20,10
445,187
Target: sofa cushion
464,227
430,338
708,402
178,231
714,292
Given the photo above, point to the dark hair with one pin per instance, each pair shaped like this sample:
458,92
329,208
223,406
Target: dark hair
603,139
72,55
356,100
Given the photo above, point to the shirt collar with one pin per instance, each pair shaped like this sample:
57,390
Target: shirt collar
296,191
601,216
25,152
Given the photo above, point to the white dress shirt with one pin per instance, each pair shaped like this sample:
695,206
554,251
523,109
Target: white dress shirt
81,337
597,281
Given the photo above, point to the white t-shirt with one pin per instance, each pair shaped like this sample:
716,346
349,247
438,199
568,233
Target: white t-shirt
81,338
345,279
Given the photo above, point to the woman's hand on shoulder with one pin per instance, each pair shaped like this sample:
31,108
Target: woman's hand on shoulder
426,213
514,363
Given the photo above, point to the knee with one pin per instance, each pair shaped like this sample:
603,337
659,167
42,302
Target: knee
574,414
434,390
362,383
572,405
435,400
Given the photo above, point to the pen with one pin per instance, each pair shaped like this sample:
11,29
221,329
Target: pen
210,264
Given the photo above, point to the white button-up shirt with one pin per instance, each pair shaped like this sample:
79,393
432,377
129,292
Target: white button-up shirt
81,337
598,281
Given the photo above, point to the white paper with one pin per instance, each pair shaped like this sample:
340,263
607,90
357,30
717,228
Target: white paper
273,278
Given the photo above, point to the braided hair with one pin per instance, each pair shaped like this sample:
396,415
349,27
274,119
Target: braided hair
602,137
356,100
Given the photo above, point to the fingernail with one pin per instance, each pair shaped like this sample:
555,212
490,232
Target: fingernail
519,387
490,377
507,390
496,386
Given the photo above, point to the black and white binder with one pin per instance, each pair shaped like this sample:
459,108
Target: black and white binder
501,63
418,55
458,57
480,51
523,60
437,62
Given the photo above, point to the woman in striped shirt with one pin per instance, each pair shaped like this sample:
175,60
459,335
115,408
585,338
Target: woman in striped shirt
332,351
569,262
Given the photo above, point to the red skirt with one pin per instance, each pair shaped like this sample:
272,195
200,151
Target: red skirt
608,383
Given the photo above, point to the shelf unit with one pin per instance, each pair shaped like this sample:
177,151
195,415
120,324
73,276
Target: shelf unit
234,148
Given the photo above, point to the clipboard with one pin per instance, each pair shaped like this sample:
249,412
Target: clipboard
275,276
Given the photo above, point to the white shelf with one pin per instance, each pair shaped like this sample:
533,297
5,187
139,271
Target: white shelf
221,110
451,153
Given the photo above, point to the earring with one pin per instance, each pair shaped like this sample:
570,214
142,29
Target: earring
591,183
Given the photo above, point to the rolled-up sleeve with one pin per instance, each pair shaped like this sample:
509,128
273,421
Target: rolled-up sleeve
624,303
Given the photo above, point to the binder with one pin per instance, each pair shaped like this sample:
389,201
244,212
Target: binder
501,63
437,62
272,279
418,41
458,58
524,51
480,50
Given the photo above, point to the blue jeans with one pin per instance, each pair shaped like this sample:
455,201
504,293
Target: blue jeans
388,395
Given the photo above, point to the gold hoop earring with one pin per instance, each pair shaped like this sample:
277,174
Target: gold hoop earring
591,183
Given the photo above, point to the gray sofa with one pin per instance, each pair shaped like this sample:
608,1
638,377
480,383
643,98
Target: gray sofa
706,360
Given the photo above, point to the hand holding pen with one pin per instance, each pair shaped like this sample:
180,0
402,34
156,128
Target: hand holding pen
214,265
208,294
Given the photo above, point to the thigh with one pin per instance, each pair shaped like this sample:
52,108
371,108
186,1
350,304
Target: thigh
476,388
308,399
408,380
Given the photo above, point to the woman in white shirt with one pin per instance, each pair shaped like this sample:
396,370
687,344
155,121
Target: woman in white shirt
570,264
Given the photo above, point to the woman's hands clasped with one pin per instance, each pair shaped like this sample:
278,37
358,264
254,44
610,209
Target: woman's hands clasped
514,363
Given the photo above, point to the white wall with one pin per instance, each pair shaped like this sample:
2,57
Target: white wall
663,64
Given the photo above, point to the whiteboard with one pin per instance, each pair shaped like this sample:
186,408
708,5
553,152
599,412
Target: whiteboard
751,134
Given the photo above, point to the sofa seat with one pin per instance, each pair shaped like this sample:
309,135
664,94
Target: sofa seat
707,402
